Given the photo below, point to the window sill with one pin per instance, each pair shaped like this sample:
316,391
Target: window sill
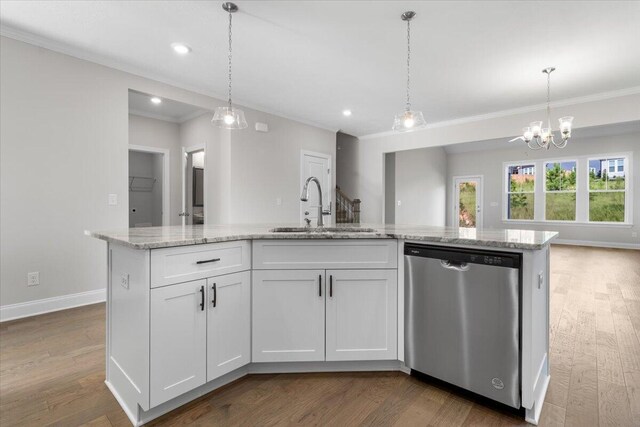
570,223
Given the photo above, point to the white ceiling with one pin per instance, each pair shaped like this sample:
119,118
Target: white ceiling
168,109
312,59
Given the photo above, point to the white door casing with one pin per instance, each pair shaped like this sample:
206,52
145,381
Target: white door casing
228,323
457,180
361,313
318,165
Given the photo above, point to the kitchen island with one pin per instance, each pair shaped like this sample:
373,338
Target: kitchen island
190,309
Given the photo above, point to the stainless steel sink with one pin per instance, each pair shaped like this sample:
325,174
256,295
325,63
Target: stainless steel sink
323,230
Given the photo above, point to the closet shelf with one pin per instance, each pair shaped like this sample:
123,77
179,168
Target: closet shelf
141,183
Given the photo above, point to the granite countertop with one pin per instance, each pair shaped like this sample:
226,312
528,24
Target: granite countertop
162,237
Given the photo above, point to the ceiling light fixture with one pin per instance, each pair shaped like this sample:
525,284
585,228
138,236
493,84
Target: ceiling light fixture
229,117
346,113
543,137
156,100
408,119
180,48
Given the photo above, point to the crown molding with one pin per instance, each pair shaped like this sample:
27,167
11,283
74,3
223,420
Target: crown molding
67,49
154,116
511,112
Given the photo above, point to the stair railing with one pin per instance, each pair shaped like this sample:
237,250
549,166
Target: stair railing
347,210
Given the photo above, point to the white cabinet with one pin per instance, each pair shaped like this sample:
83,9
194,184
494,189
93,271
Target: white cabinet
361,312
288,315
178,340
228,323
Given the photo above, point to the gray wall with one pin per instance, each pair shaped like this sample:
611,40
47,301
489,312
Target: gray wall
69,119
489,163
421,186
162,134
347,165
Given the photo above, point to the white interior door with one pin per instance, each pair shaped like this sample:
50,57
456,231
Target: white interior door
318,165
193,204
467,202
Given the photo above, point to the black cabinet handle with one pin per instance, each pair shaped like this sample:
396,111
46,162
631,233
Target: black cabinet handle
331,286
215,295
202,295
208,260
320,285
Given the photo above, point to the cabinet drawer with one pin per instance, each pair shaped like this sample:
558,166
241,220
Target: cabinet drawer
185,263
308,254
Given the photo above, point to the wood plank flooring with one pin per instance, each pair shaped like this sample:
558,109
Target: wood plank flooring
52,369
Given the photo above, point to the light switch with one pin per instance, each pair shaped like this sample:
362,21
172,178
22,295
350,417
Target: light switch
33,279
113,199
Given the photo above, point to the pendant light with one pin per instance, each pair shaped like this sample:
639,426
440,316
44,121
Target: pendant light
229,117
408,119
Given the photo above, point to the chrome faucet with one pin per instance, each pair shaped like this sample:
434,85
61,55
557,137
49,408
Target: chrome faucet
305,197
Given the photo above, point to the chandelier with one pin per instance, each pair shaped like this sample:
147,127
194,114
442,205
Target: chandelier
229,117
408,120
538,137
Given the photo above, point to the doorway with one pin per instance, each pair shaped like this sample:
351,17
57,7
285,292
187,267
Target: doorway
193,183
467,203
318,165
148,187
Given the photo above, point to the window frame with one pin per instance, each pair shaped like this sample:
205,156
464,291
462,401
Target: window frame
506,189
628,193
545,191
582,190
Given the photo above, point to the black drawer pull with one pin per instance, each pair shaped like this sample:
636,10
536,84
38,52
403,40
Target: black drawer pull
208,260
331,286
202,300
215,295
320,285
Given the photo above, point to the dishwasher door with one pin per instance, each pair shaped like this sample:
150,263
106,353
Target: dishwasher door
462,319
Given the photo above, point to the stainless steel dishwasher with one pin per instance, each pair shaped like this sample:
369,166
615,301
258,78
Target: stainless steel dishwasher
462,318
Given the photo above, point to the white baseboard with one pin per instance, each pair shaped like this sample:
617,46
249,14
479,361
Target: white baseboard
47,305
597,244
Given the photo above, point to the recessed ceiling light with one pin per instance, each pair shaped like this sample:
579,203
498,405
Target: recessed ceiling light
346,113
156,100
180,48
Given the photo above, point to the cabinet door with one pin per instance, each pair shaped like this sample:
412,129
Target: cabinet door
288,315
362,315
228,323
178,340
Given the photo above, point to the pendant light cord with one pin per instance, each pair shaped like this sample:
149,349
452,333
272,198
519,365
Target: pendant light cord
549,101
230,52
408,62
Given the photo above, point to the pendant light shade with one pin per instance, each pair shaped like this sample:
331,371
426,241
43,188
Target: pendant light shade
229,117
408,119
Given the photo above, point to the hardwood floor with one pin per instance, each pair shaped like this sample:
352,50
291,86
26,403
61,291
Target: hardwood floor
52,369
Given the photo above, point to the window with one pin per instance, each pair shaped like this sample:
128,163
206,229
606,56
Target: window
581,190
560,191
521,191
607,190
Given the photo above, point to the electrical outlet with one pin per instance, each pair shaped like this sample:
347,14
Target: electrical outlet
33,279
124,281
113,199
399,202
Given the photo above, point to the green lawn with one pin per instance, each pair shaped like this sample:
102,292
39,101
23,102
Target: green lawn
560,207
521,206
606,206
596,183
